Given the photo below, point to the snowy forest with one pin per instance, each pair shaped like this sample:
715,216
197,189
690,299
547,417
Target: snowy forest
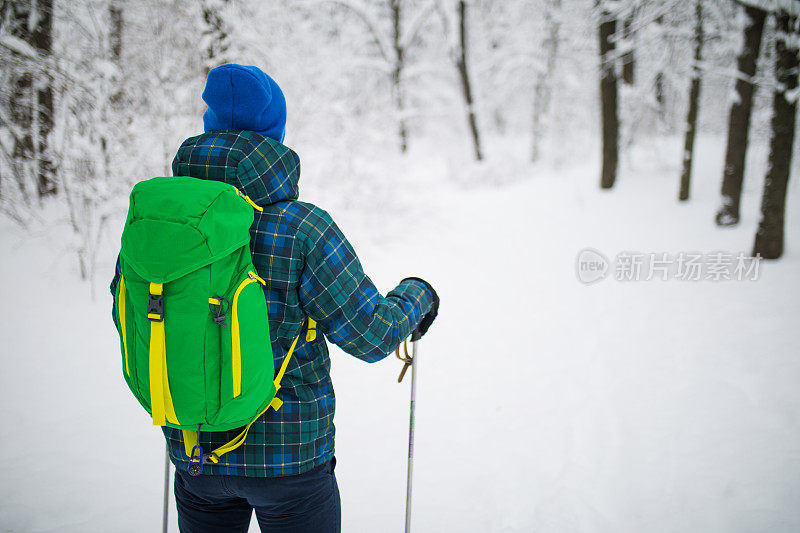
99,93
433,131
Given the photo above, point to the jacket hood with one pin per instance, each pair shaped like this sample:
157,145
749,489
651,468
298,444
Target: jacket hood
262,168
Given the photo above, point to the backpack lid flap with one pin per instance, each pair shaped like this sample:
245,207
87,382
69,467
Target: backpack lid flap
178,224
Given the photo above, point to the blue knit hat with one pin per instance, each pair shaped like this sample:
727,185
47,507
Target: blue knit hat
244,98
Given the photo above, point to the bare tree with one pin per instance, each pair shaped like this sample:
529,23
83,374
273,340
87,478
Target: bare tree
215,35
111,100
397,72
466,85
31,101
769,237
627,40
739,119
608,95
392,49
542,91
658,79
694,103
4,5
43,42
92,108
392,52
116,23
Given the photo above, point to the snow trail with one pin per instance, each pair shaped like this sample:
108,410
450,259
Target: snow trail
543,404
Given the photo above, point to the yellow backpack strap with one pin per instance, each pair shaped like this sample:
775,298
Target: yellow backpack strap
161,405
189,442
276,404
121,317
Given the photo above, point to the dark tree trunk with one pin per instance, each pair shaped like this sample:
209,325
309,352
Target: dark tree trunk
21,101
739,119
769,237
116,25
21,108
608,98
461,64
43,42
544,80
397,74
658,82
217,31
659,90
694,103
4,4
31,103
115,99
115,36
627,57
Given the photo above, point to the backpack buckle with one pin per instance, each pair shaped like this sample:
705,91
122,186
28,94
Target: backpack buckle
210,459
155,308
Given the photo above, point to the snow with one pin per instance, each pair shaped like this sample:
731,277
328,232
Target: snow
543,404
790,6
17,45
792,95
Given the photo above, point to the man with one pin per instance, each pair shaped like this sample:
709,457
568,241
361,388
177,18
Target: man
285,468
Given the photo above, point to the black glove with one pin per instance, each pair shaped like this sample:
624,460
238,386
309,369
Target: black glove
430,316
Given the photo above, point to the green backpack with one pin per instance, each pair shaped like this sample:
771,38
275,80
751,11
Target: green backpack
191,312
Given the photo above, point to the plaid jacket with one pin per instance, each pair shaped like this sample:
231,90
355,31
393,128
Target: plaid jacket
311,271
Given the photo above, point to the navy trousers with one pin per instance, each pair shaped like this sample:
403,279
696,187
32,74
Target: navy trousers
305,503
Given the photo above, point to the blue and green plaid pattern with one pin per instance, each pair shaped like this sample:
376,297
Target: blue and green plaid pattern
311,270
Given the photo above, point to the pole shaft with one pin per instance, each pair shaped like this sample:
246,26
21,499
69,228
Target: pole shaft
411,434
165,509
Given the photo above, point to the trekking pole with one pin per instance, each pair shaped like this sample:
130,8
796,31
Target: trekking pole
410,361
165,509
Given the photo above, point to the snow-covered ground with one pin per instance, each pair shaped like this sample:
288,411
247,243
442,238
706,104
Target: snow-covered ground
543,404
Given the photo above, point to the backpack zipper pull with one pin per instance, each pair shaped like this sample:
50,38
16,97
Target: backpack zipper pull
247,199
219,306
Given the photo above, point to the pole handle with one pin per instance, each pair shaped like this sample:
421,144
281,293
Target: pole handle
406,358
